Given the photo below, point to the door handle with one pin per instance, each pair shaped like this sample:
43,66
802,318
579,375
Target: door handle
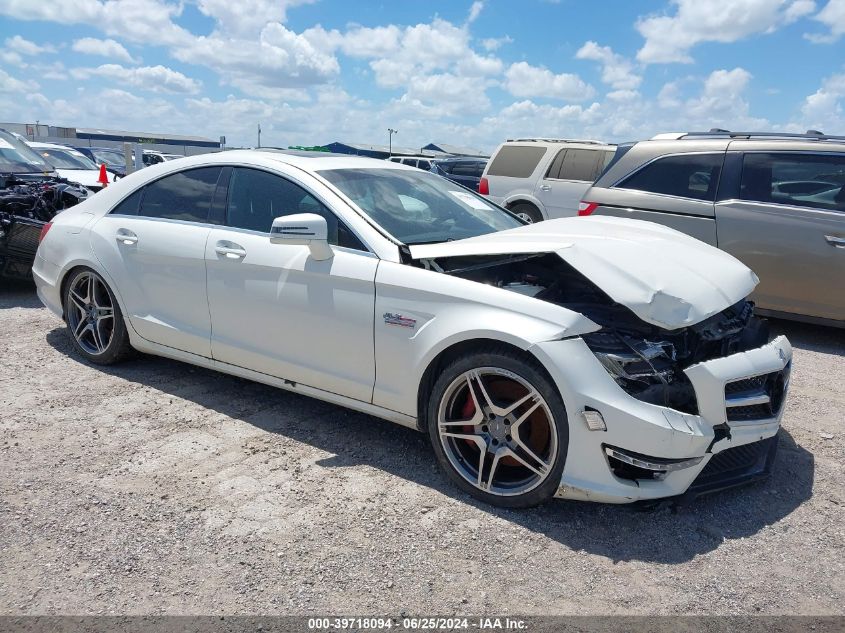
545,187
837,242
230,250
125,236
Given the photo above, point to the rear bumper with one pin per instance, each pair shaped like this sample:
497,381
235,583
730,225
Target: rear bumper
639,428
46,277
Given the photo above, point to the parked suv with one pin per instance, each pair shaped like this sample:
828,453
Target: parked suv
539,179
464,171
774,201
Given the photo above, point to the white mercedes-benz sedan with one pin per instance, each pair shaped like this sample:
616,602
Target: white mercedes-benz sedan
585,358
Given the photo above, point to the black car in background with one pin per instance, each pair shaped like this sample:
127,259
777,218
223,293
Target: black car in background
464,171
112,158
31,194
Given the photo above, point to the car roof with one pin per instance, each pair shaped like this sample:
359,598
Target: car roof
39,145
556,142
307,161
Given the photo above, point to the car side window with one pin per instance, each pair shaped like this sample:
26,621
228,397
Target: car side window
806,180
185,195
580,164
129,206
256,198
554,168
687,176
466,169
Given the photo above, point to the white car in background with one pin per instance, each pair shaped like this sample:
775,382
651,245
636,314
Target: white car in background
72,164
542,179
586,358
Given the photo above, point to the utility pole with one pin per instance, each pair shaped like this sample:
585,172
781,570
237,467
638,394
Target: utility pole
259,135
390,133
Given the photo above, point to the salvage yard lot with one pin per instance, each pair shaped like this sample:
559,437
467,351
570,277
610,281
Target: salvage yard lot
156,487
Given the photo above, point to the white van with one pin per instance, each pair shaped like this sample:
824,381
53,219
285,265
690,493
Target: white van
539,179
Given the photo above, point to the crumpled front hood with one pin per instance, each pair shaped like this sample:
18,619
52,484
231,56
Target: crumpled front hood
665,277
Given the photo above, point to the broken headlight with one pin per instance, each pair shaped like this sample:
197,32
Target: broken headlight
646,370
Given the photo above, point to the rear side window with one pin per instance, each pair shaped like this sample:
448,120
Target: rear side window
516,161
185,195
468,169
688,176
807,180
579,164
129,206
256,198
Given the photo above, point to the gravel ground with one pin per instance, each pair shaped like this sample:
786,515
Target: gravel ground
156,487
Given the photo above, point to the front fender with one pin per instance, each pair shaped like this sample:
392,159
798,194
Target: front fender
421,313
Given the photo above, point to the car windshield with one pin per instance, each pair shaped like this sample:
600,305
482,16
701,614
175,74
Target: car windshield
16,157
418,207
66,159
111,158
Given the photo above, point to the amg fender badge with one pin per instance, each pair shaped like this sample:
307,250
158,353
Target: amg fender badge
397,319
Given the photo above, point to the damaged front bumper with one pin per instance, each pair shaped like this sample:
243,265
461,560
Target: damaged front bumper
661,452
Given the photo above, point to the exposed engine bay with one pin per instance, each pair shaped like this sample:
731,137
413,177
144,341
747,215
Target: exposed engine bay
645,360
26,205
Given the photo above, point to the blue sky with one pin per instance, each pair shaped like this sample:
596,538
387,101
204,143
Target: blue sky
465,72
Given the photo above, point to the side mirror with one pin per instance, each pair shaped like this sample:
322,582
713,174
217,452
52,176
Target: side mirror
306,229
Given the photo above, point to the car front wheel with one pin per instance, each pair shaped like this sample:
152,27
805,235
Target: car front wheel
499,429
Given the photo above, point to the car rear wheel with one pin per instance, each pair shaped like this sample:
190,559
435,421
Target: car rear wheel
527,212
94,319
499,429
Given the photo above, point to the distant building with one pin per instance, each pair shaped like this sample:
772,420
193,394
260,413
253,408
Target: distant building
379,151
92,137
456,150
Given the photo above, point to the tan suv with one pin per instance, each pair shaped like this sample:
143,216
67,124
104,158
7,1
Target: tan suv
774,201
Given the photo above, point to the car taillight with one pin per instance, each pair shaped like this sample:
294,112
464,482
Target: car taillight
44,230
483,187
586,208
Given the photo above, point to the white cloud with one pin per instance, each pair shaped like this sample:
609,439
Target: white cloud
525,80
822,110
669,38
616,70
832,16
450,91
12,85
150,78
247,17
475,10
25,47
495,43
104,48
278,58
142,21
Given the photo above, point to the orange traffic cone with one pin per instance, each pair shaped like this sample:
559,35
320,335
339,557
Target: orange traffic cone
103,179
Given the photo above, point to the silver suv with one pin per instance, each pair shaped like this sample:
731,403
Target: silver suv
774,201
539,179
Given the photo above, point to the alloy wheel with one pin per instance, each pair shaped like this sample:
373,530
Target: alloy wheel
497,431
90,313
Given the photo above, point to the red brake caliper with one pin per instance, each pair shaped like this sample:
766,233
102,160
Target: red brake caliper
467,412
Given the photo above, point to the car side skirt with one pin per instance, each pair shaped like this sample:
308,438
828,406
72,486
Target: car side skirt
156,349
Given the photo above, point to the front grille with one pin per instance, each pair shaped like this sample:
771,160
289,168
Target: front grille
746,384
23,237
756,397
736,466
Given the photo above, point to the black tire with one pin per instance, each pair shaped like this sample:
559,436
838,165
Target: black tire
82,315
531,372
527,211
